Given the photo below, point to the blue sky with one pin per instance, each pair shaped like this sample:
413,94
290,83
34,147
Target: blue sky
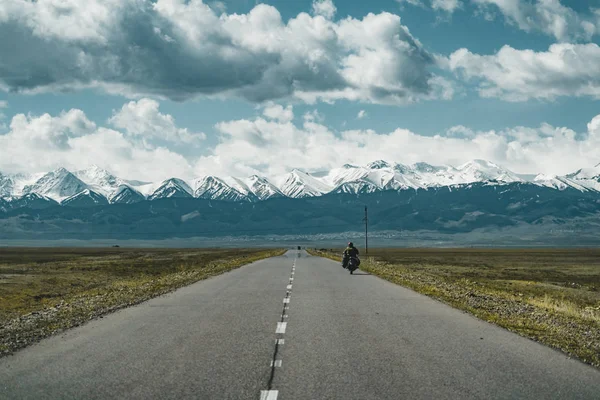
168,88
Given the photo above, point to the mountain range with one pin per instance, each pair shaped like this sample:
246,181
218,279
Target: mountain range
479,198
96,186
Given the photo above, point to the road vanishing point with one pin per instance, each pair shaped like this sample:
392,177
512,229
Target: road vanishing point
293,327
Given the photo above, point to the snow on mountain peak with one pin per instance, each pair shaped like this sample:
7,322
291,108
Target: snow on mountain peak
125,195
214,188
301,184
379,164
262,188
592,173
85,198
481,170
99,179
424,167
58,185
378,175
173,187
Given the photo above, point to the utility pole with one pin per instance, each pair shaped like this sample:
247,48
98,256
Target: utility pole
366,231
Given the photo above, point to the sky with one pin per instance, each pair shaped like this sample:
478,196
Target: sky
184,88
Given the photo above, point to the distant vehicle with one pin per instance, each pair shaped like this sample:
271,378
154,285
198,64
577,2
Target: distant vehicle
299,248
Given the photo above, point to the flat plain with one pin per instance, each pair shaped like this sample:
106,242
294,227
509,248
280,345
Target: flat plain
44,291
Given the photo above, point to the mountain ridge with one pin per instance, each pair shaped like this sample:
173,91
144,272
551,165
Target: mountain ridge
61,184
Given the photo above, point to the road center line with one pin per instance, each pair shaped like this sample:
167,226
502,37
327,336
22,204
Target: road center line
281,326
268,394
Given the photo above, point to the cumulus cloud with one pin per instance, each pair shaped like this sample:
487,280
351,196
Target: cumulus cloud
326,8
275,144
519,75
42,143
277,112
448,6
3,104
361,114
272,147
142,119
412,2
547,16
181,49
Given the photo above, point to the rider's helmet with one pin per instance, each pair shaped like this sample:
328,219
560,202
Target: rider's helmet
350,244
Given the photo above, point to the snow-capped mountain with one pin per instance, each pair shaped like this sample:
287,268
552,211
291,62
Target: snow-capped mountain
85,198
254,188
58,185
96,185
298,184
30,200
480,170
125,195
99,179
380,175
213,188
173,187
6,185
262,188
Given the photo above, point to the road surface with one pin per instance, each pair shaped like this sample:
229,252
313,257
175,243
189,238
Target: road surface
293,327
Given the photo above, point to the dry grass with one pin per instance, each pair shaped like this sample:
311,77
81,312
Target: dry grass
552,296
45,290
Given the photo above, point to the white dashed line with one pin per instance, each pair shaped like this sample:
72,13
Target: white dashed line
268,394
289,286
286,300
280,341
281,327
276,363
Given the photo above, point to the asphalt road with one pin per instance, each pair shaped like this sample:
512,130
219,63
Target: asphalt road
293,327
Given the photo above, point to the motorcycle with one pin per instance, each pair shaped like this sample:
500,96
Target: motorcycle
353,264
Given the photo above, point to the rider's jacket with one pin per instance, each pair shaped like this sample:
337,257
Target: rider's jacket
351,251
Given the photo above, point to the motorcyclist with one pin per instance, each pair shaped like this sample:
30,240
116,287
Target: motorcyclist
350,251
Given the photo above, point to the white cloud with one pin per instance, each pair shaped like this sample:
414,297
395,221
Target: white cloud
71,140
326,8
277,112
547,16
271,147
276,145
361,114
448,6
3,104
143,119
412,2
128,47
519,75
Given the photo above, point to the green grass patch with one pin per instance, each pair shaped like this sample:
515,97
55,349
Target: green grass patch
551,296
47,290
